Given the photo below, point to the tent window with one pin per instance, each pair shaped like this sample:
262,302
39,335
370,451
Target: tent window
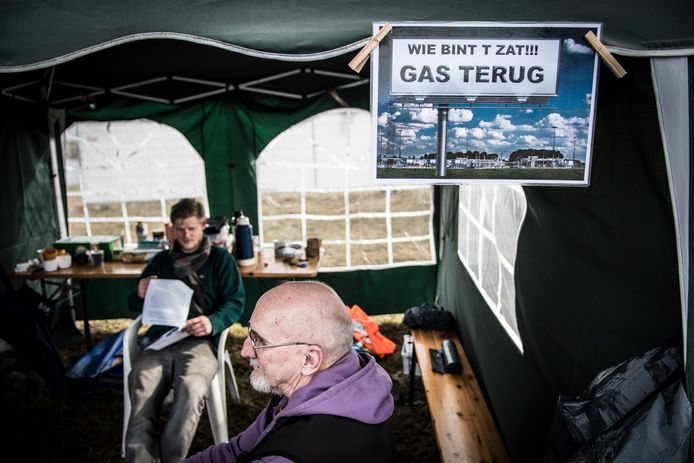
122,172
489,221
314,180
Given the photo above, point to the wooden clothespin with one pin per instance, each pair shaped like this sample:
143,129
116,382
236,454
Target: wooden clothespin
605,55
363,56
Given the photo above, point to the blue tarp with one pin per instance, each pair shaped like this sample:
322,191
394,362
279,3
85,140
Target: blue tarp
104,358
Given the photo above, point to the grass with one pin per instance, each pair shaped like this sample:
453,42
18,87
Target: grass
39,427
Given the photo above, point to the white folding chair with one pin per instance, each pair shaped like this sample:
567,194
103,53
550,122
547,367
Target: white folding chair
216,402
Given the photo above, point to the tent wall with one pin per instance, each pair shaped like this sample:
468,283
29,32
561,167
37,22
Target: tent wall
671,77
27,215
596,272
230,133
690,261
376,291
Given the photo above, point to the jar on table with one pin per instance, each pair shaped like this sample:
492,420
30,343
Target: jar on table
141,231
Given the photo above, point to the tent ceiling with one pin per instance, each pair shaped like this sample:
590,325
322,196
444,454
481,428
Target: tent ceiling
69,53
175,71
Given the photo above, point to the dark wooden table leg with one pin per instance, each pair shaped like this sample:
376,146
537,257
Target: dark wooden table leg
85,314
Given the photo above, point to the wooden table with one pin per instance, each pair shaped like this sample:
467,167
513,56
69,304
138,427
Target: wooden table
265,267
87,272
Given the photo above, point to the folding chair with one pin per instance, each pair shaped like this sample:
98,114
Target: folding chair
216,402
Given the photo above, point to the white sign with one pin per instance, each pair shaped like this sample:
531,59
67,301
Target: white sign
483,102
475,67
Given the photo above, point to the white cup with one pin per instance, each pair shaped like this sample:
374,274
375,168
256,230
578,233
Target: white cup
64,261
50,265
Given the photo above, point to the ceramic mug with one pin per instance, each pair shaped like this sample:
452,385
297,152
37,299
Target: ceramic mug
97,257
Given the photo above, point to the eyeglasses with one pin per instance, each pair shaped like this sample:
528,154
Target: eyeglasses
253,336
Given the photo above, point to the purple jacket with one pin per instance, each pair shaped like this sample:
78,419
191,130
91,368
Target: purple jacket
354,387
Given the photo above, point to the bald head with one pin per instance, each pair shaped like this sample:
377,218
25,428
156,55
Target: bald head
309,312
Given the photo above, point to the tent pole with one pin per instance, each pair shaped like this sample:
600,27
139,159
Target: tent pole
56,124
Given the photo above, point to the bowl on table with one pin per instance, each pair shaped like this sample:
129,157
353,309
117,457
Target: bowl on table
134,255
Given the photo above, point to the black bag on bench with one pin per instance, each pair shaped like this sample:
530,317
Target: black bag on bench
430,317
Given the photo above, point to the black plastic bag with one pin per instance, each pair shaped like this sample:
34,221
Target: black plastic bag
430,317
635,411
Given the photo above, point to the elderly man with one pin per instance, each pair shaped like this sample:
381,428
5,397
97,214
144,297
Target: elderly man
189,365
329,403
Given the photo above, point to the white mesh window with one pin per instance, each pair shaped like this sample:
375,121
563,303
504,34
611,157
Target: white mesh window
314,180
489,221
122,172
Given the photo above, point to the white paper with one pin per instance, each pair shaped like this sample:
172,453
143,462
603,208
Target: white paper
167,339
166,303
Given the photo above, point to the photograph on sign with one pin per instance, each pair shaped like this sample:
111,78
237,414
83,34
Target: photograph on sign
484,102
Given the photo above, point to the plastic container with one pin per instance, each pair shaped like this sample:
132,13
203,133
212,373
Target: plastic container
406,353
217,231
141,231
106,242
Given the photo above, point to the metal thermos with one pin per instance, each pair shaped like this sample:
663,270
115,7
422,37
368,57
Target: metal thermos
243,235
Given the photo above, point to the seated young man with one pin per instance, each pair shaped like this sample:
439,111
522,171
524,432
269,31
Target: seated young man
188,365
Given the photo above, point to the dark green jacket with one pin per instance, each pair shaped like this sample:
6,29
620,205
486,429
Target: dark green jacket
221,281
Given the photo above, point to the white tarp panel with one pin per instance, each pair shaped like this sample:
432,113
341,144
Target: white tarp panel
670,81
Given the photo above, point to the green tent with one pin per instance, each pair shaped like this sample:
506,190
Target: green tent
602,272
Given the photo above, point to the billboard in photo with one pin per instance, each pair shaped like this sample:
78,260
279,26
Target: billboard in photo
484,102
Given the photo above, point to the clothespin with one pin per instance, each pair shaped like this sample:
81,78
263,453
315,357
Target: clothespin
363,56
605,55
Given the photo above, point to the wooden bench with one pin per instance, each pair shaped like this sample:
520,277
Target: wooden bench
464,427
